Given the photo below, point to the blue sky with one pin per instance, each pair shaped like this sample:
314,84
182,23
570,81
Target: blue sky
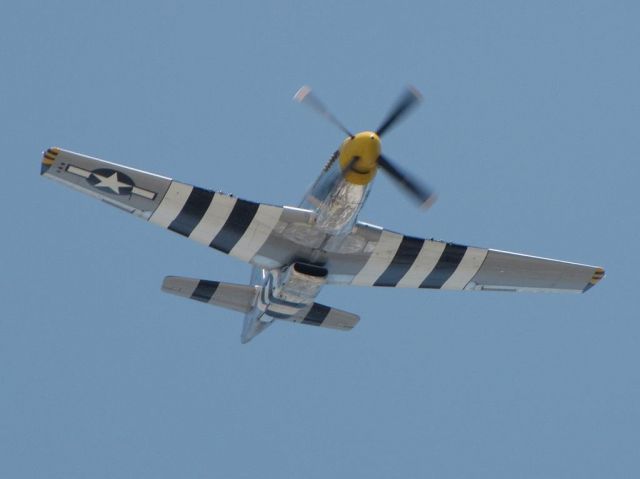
529,132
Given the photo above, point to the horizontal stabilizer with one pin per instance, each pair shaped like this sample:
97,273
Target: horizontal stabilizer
241,298
327,317
238,297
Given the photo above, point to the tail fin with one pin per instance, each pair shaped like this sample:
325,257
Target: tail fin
238,297
252,325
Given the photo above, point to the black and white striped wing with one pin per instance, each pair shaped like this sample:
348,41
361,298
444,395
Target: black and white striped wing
391,259
261,234
273,236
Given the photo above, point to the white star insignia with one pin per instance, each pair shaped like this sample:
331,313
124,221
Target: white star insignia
111,182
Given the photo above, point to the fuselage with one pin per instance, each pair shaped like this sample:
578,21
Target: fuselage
336,197
339,193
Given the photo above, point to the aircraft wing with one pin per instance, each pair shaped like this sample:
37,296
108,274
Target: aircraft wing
391,259
264,235
273,236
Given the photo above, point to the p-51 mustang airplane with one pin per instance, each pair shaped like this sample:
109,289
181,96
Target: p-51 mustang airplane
296,251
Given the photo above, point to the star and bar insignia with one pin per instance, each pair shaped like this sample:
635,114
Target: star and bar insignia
111,181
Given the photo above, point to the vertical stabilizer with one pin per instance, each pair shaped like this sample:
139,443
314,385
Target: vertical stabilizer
252,325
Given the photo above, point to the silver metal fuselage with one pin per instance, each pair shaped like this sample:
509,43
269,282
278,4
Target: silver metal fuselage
335,201
283,291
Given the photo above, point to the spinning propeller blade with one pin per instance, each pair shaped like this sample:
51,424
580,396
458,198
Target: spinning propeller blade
424,195
305,95
410,98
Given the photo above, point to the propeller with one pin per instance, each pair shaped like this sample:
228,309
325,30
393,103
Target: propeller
305,95
425,196
407,101
410,98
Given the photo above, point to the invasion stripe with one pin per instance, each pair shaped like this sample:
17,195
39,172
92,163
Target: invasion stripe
469,266
171,204
192,212
205,290
447,264
402,261
235,226
214,219
423,265
263,223
317,314
380,259
262,303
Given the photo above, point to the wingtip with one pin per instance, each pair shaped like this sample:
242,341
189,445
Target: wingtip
598,274
48,158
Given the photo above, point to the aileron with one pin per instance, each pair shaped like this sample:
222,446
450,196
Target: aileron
517,272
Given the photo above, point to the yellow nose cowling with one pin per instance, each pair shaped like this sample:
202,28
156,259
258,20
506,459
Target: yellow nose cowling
359,157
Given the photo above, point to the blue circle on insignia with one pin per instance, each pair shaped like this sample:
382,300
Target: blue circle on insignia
111,181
